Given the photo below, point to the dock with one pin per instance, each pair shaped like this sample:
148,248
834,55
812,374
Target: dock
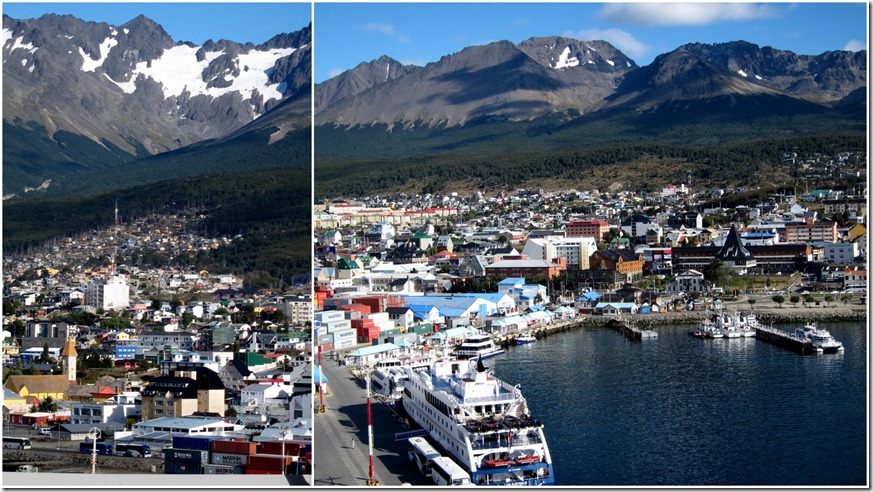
785,340
630,330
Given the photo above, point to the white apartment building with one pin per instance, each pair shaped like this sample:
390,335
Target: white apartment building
298,309
110,293
576,250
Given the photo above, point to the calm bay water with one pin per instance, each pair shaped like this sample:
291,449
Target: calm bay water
678,410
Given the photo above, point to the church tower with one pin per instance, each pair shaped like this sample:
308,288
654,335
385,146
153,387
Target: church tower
68,360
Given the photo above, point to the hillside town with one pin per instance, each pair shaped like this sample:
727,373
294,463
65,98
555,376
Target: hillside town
189,366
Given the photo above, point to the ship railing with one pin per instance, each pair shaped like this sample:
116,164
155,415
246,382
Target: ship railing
486,399
503,442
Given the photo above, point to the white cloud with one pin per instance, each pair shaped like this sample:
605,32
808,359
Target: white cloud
692,14
333,72
386,29
622,40
855,45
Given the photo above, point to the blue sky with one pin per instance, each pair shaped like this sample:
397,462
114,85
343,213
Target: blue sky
195,22
347,34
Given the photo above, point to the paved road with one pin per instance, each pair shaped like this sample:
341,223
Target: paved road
336,462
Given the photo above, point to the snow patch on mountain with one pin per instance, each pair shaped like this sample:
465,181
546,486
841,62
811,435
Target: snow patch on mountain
19,42
565,60
89,64
742,73
177,70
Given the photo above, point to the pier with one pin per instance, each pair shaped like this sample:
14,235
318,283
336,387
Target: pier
785,340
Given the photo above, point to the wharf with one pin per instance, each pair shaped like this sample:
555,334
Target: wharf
785,340
508,339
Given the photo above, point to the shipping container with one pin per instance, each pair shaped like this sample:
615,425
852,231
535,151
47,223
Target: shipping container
423,329
268,462
391,332
229,459
344,333
345,343
186,455
378,317
212,469
325,317
325,347
325,338
335,326
292,448
234,447
182,468
256,471
195,442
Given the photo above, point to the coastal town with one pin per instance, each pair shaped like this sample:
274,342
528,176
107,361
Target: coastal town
174,370
405,281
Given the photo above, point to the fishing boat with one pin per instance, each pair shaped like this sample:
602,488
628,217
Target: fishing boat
819,338
478,345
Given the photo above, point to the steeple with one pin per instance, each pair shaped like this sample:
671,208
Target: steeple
68,360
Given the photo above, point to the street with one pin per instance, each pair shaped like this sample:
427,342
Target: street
337,461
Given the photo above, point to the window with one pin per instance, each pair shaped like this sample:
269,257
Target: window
159,411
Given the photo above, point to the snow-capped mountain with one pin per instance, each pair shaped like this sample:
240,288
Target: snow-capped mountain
134,90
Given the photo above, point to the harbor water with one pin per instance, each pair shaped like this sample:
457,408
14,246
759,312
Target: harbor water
678,410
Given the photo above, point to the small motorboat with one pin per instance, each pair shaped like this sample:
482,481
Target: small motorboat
525,339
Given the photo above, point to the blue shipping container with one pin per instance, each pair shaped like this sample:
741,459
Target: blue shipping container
195,442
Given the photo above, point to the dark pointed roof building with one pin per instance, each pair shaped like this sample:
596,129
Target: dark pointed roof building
734,255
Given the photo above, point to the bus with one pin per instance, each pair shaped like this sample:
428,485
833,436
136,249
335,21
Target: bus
134,450
447,472
102,447
422,453
16,442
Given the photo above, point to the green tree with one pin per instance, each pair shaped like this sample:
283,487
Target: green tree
808,299
846,298
794,299
716,273
752,303
778,299
44,356
187,318
829,299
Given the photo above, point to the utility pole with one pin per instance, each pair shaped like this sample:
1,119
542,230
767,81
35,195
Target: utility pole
372,480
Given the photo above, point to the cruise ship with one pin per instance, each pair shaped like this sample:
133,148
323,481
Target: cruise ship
480,421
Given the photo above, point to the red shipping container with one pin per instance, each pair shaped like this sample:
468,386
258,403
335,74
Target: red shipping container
268,462
255,471
234,447
275,448
326,347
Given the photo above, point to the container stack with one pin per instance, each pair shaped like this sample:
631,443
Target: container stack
230,457
281,457
189,454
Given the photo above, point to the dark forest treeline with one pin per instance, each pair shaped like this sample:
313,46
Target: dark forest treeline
745,163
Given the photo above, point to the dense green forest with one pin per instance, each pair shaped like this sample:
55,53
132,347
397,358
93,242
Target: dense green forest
84,170
643,166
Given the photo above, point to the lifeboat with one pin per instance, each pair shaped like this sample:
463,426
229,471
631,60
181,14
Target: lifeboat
526,460
498,463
